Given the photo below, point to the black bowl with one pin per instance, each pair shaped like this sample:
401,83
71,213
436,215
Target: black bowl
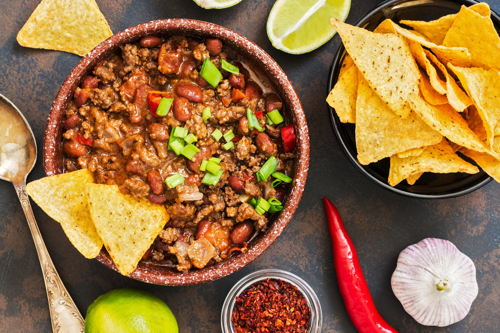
430,185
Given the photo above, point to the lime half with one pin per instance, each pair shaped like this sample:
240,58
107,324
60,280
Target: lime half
300,26
216,4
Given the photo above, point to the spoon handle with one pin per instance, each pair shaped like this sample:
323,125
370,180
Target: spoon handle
64,314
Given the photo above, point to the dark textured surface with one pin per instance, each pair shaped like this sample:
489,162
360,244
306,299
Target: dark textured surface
381,223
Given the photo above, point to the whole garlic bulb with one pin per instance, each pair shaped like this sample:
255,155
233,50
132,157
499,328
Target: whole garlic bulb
435,282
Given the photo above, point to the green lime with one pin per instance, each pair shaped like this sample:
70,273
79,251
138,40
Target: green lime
300,26
129,311
216,4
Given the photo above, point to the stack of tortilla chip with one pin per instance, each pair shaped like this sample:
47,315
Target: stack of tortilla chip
421,96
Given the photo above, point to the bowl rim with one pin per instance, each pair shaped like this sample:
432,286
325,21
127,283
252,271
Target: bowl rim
52,141
332,78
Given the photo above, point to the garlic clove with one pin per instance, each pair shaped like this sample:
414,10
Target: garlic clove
435,282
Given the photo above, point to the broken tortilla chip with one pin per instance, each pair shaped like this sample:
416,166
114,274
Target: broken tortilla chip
478,34
346,64
439,158
63,198
483,86
386,63
418,52
429,93
127,225
74,26
343,96
381,133
476,123
488,163
412,179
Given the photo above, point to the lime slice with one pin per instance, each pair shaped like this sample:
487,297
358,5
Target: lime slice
216,4
300,26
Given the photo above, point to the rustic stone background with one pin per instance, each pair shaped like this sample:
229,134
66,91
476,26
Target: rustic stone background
380,223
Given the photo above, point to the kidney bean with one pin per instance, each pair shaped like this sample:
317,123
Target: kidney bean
211,262
243,128
191,92
158,132
243,70
187,68
135,114
150,41
157,199
73,148
273,102
174,223
202,228
81,96
72,122
252,90
264,143
237,81
280,193
155,180
242,232
204,154
237,184
182,109
160,246
90,82
193,42
135,167
201,82
214,46
141,97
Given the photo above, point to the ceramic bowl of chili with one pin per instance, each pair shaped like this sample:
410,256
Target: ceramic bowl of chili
272,299
261,62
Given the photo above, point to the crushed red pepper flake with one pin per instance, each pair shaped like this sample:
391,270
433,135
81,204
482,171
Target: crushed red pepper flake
269,306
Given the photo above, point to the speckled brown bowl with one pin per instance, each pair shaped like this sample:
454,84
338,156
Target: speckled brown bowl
260,60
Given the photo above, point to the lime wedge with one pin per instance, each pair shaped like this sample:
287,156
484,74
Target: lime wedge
300,26
216,4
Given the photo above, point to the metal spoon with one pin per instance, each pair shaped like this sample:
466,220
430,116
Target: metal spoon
17,159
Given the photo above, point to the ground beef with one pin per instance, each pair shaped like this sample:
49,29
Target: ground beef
137,187
243,148
181,212
169,235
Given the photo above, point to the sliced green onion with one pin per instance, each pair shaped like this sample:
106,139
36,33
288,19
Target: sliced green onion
269,120
213,167
275,209
173,139
228,145
282,177
217,134
276,182
215,160
262,203
206,114
253,122
211,179
229,67
191,138
174,180
177,147
210,73
267,169
189,151
180,132
260,210
229,135
164,106
252,202
274,201
275,116
203,166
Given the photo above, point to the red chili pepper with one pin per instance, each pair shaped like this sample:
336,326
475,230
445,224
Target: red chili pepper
352,284
154,98
259,114
80,138
288,136
236,138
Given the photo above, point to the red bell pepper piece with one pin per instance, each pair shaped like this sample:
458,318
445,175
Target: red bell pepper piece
352,284
288,136
80,138
154,98
226,101
237,94
259,114
236,138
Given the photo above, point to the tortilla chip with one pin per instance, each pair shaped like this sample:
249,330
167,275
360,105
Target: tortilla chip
458,56
386,63
436,82
412,179
478,34
411,152
74,26
435,31
63,198
439,158
429,93
343,96
488,163
457,98
381,133
476,123
449,123
127,225
346,64
483,86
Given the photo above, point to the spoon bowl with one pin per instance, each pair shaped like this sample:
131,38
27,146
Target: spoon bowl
17,159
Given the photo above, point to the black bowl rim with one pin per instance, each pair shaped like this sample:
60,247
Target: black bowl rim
334,118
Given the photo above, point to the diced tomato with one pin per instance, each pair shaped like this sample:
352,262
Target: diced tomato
154,98
84,141
247,177
288,136
194,179
236,138
226,101
237,95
